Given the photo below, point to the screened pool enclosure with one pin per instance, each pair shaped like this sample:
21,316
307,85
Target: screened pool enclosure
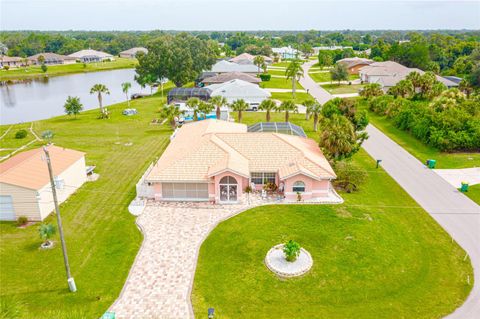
278,127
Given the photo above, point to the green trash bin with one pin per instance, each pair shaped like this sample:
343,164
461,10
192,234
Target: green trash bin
431,163
464,187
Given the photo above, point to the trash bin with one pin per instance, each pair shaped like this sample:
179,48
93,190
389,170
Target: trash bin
108,315
431,163
464,187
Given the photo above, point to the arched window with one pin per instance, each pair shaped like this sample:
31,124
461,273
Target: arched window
298,186
228,180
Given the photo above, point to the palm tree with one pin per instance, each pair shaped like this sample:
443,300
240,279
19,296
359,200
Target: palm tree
259,61
125,87
193,104
294,71
465,87
46,232
315,109
205,108
218,101
337,138
308,104
171,113
288,106
267,106
239,106
100,89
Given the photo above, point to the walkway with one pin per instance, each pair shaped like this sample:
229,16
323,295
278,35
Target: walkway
313,88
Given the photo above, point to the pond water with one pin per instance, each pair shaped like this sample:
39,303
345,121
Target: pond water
43,98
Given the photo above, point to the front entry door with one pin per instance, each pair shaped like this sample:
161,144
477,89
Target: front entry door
228,189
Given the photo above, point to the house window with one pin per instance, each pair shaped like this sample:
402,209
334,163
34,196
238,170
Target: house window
59,182
262,178
298,187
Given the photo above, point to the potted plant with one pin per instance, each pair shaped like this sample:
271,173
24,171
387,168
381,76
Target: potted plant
248,190
46,232
291,250
299,197
270,187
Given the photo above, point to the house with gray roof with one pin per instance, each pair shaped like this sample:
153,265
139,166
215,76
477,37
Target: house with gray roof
225,77
132,53
226,67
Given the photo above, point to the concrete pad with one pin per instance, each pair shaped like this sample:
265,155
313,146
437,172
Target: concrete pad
455,177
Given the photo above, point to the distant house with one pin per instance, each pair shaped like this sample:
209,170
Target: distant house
25,183
51,59
226,66
355,64
389,73
239,89
89,55
132,53
286,52
226,77
11,61
246,58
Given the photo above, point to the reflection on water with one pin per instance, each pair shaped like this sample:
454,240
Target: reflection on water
29,100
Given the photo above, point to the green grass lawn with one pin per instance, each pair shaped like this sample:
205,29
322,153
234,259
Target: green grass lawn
276,72
281,64
280,83
326,76
101,235
421,151
35,71
474,193
378,255
342,88
299,96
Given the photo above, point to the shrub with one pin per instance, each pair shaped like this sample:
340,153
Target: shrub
371,90
6,67
291,250
21,134
270,187
265,77
22,220
44,68
349,176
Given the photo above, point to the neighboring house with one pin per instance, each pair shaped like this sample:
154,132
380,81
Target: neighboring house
89,55
389,73
286,52
238,89
25,183
132,53
215,161
226,77
51,59
11,61
246,58
355,64
225,67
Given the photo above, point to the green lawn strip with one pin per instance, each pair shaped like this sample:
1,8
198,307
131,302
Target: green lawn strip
280,83
474,193
281,64
101,235
377,255
418,149
54,70
321,77
342,88
299,96
276,72
10,142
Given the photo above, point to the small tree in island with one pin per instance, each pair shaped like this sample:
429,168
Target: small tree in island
291,249
339,73
73,105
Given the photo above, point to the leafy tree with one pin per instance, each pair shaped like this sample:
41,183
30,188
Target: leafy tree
205,108
315,109
193,103
371,90
294,72
339,72
125,87
180,58
307,49
404,88
349,176
73,106
291,249
171,113
239,106
268,106
146,79
41,59
324,59
44,68
259,61
465,87
288,106
218,102
46,232
308,104
100,89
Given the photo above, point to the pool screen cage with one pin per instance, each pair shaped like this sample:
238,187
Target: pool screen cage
183,94
278,127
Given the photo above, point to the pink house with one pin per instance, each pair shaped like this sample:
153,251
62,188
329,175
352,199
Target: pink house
215,161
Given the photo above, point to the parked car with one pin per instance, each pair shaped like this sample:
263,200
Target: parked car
253,107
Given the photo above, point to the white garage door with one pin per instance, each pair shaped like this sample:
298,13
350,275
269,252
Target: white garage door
185,191
6,208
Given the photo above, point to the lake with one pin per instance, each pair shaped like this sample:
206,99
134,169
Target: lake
43,98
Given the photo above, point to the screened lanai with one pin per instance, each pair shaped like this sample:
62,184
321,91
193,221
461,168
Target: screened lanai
278,127
183,94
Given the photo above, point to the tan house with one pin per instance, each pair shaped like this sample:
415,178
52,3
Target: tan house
11,61
355,64
247,58
51,59
90,55
214,160
25,183
226,77
132,53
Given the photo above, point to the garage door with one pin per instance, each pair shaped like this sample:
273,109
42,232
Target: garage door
185,191
6,208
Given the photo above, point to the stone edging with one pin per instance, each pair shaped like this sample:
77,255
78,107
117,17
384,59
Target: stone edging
285,274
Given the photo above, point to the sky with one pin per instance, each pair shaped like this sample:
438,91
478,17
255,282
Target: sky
237,15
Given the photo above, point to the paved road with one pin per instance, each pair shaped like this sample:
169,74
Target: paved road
456,213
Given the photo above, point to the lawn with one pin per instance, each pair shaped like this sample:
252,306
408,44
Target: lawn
299,96
101,235
326,77
342,88
378,255
280,83
35,71
421,151
474,193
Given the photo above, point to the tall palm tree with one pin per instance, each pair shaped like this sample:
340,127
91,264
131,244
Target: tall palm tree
205,108
193,104
308,104
315,109
294,72
258,61
218,101
100,89
288,106
239,106
125,87
267,106
171,113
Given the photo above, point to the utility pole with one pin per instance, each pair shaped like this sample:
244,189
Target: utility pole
70,280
